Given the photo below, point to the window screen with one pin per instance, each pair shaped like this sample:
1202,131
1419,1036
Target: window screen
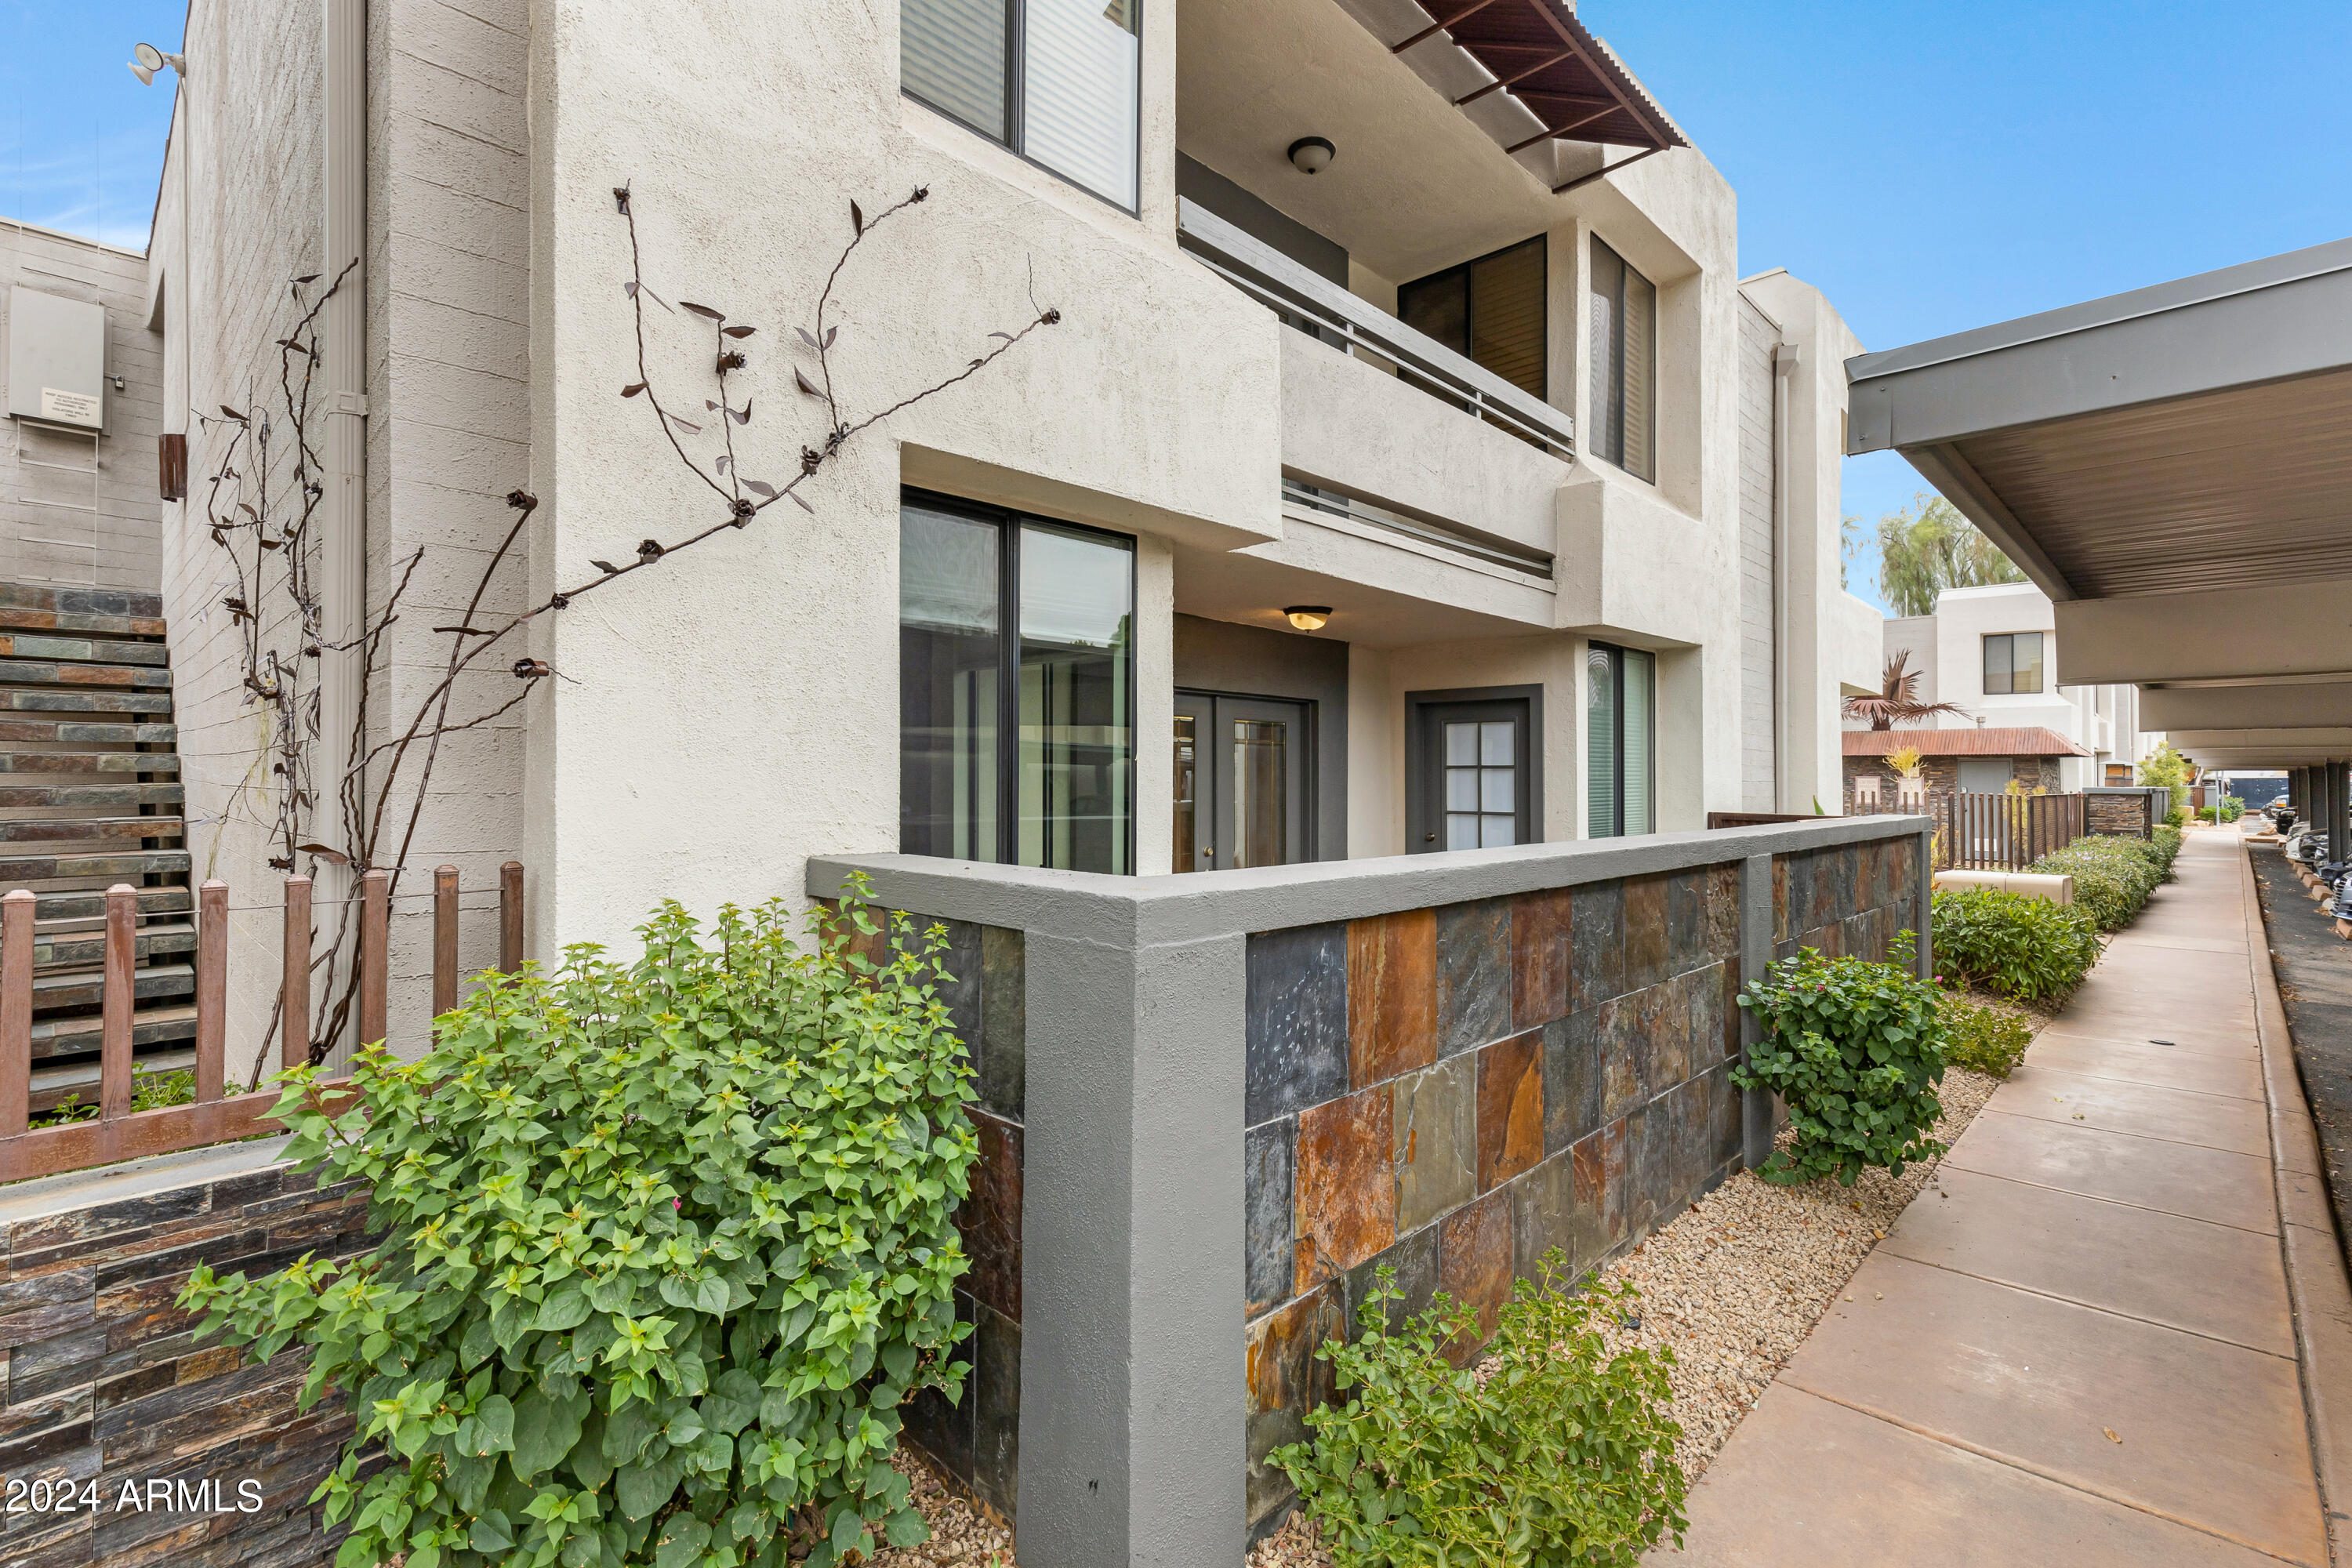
1620,744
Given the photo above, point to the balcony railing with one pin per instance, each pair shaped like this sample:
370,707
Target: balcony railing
1348,322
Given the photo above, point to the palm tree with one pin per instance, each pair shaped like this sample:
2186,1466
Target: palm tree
1896,700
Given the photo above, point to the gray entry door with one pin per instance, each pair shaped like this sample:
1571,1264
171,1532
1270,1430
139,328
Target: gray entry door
1470,775
1241,781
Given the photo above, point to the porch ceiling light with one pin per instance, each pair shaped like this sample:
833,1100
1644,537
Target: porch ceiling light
1312,154
146,59
1310,618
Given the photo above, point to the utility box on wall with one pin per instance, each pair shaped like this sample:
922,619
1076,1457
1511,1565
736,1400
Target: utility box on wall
57,360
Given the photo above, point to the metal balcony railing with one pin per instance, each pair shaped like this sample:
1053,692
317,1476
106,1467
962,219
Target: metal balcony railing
1347,322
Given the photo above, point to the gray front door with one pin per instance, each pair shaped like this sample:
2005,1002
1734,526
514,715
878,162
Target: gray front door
1242,790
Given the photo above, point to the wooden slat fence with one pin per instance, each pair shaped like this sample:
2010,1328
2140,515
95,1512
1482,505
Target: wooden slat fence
118,1133
2004,832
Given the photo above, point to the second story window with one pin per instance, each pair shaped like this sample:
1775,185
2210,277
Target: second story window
1490,311
2012,664
1055,80
1625,349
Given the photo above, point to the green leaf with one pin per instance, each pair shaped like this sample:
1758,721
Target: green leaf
494,1425
545,1430
733,1402
642,1487
710,1296
906,1527
682,1540
564,1311
478,1343
491,1533
848,1529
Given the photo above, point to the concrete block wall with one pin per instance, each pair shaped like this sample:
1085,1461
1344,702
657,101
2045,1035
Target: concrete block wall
1242,1092
74,511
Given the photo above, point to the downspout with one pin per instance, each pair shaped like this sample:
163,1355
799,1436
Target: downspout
342,341
1785,359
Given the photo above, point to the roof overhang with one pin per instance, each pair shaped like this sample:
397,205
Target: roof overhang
2172,466
1533,58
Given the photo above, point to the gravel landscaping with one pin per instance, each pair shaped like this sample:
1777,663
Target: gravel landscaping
1732,1286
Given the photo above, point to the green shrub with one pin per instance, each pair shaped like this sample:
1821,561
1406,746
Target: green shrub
2165,847
1564,1453
2176,818
150,1091
2112,877
2012,945
1982,1037
1857,1051
666,1246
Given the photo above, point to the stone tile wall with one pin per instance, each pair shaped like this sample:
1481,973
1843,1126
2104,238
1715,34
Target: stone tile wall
102,1380
1453,1091
978,1440
2123,816
1847,902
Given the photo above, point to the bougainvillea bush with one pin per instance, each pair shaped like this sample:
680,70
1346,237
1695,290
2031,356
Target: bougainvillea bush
667,1247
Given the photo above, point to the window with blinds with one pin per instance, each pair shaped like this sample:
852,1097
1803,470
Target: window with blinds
1623,420
1070,106
1621,741
1490,310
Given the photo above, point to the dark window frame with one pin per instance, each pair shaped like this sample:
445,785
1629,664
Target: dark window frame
1609,444
1016,56
1462,270
2009,641
1617,652
1425,807
1009,522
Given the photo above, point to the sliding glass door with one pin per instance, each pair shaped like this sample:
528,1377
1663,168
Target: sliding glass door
1057,677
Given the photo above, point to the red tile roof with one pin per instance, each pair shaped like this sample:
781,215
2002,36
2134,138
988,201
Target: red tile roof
2031,741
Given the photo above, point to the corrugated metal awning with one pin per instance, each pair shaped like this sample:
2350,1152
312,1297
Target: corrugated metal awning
1536,52
2028,741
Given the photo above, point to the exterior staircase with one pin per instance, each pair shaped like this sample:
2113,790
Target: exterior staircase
90,796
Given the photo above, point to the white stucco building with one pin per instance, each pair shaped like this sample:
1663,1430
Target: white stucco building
1993,652
1484,392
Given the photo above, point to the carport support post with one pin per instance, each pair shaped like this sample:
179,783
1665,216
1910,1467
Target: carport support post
2339,812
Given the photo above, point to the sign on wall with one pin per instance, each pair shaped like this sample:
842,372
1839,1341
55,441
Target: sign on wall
57,359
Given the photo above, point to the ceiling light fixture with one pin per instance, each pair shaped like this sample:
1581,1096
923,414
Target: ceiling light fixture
147,59
1310,618
1312,154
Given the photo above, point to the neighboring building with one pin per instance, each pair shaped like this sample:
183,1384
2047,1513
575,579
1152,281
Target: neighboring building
1993,652
82,373
1619,576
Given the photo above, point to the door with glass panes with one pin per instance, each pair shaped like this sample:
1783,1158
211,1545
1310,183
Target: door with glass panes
1241,781
1471,774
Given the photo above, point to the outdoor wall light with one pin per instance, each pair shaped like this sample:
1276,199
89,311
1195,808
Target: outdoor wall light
147,59
1312,154
1309,617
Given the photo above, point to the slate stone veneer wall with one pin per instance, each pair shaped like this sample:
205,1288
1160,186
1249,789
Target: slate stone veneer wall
1237,1094
104,1385
977,1440
1452,1092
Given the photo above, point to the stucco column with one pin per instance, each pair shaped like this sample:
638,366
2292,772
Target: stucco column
1133,1409
1755,957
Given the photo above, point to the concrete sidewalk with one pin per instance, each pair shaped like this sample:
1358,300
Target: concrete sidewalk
2079,1344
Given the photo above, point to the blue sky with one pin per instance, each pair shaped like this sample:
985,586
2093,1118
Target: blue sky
1931,166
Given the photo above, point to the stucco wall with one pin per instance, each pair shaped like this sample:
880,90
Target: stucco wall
74,511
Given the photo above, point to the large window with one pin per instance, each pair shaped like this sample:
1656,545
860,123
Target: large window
1057,677
1055,80
1621,725
1490,310
1623,422
2012,664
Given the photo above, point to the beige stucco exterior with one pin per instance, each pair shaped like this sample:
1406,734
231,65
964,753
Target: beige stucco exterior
715,722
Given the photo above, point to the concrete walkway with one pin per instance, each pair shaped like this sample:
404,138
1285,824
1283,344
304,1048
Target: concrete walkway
2080,1345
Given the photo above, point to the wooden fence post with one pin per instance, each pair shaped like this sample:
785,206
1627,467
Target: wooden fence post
212,987
294,993
16,912
118,1002
375,955
510,917
444,939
